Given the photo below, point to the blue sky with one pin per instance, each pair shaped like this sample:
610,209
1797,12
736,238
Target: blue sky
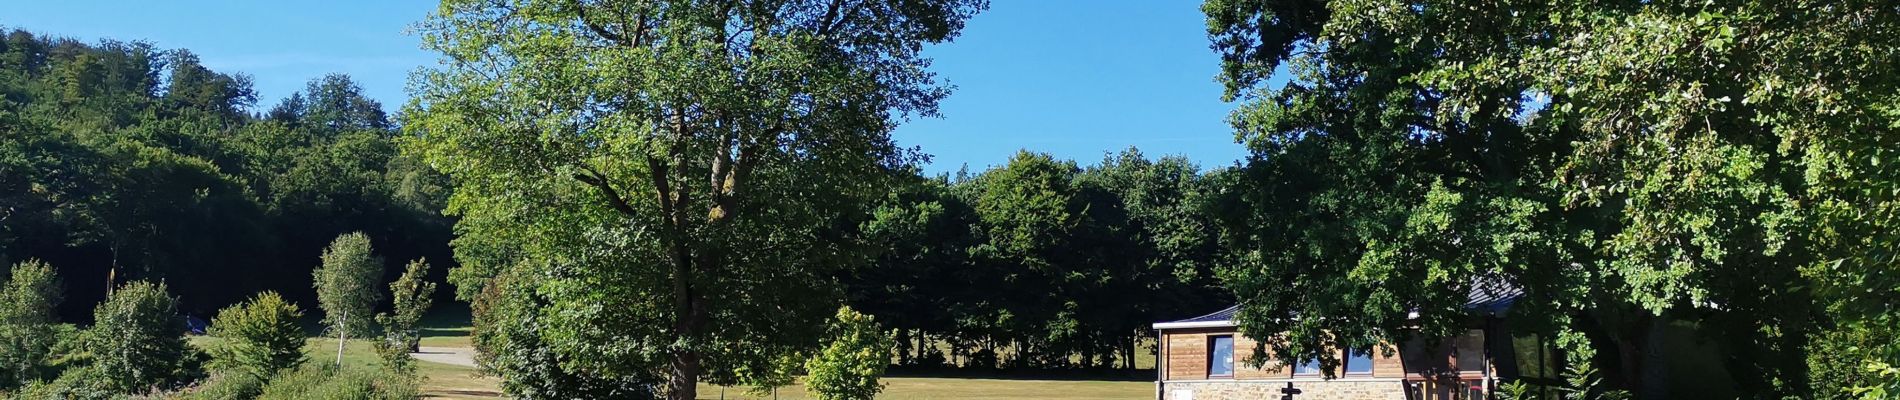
1073,78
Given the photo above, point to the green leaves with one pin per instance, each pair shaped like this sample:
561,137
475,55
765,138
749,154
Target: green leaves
692,159
848,367
28,298
261,337
137,341
346,284
1648,159
410,294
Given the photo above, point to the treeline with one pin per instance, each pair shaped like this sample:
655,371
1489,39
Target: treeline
123,162
1040,263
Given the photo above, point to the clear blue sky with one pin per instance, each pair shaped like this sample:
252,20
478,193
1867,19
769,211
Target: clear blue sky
1073,78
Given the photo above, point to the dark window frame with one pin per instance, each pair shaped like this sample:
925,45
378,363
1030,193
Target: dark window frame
1211,356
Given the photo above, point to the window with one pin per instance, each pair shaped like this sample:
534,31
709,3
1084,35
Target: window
1220,356
1308,367
1358,363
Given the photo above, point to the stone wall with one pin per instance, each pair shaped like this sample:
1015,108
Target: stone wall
1310,389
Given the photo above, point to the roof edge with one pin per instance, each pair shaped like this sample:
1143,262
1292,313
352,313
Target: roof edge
1194,324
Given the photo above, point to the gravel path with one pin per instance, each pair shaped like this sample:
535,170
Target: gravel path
462,356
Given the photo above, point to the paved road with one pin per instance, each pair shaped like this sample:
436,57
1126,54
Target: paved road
462,356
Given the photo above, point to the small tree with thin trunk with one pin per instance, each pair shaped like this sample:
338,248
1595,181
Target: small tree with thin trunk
410,293
346,286
27,298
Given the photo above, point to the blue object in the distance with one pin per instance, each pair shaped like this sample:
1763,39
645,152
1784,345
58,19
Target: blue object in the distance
195,325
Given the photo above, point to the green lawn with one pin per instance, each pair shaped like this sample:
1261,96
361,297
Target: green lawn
449,327
962,388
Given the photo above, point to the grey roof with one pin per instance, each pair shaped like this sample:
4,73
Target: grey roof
1487,298
1492,298
1226,314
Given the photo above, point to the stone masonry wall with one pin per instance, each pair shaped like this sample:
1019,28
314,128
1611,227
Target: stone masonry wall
1310,390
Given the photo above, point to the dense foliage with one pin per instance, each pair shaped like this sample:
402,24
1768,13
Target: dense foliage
1725,166
261,337
855,356
323,381
676,169
137,342
410,298
27,297
346,284
120,161
1040,263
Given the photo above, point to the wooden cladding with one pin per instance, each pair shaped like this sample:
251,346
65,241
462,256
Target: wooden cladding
1186,357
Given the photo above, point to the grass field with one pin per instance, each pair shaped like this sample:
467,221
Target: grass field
963,388
449,327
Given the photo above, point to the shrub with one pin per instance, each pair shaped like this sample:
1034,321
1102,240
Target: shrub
261,337
410,293
521,357
138,342
325,382
849,367
27,334
74,384
226,386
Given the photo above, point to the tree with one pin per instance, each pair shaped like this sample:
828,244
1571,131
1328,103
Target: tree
27,301
261,337
849,366
346,284
138,342
335,103
411,295
696,151
1625,166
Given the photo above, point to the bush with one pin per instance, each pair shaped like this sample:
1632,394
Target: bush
321,381
27,334
410,293
74,384
226,386
261,337
138,341
849,367
516,351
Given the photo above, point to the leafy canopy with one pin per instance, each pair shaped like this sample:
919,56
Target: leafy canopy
685,163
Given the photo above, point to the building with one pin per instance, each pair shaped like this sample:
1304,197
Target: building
1204,358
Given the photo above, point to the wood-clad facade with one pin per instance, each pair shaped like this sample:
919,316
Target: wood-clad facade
1207,358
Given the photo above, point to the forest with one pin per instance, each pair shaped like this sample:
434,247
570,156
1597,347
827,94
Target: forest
636,199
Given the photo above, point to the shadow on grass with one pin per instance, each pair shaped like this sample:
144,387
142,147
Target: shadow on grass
1076,374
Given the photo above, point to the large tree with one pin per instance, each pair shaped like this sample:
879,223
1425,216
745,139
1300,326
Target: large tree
679,168
1625,164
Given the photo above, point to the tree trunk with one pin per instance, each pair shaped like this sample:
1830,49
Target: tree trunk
342,334
1655,368
684,384
691,317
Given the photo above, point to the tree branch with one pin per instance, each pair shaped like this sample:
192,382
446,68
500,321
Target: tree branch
580,11
599,181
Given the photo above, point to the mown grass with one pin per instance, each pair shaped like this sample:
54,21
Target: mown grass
449,326
907,388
